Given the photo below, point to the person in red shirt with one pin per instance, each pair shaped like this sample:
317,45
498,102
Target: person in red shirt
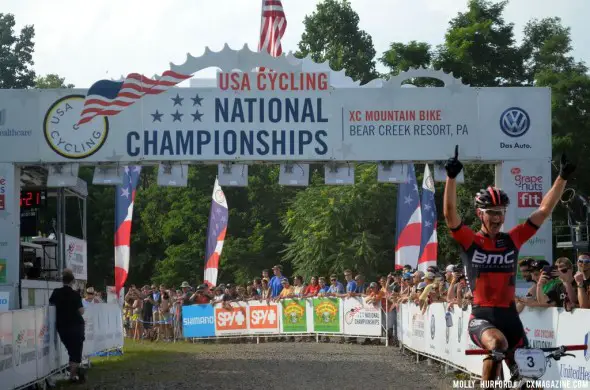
202,295
313,288
490,258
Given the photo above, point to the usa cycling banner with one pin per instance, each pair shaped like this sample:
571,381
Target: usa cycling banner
292,115
361,318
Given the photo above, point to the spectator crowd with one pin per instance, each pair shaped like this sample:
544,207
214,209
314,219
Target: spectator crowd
155,312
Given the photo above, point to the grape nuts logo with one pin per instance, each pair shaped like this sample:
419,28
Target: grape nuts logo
515,122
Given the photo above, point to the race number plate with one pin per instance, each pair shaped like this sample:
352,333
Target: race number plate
531,362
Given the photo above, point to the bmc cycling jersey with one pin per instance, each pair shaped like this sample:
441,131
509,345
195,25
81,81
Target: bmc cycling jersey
491,263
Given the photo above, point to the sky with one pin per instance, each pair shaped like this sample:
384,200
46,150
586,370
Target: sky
87,41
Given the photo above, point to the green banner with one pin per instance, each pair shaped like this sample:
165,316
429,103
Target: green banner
294,318
326,315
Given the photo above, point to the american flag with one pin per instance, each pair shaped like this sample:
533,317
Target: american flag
125,198
215,234
108,98
429,244
273,24
409,221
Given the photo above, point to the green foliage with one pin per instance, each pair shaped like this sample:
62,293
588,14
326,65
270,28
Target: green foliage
334,228
332,33
52,81
16,54
480,47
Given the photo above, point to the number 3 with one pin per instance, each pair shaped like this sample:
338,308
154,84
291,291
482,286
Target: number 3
531,361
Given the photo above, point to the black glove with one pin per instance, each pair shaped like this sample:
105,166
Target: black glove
453,165
566,168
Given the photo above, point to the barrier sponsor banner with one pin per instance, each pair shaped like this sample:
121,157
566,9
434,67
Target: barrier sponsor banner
233,320
544,327
525,182
327,316
45,354
294,316
198,321
24,345
361,318
76,257
6,350
263,317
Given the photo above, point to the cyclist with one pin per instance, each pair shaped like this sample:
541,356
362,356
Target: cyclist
491,257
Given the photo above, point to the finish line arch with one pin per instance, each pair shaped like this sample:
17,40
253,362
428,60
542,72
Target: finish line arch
303,112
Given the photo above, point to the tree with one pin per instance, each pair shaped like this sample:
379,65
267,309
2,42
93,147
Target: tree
16,54
401,57
546,48
332,228
51,81
332,34
480,47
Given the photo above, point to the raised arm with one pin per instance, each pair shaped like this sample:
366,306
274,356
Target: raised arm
552,197
453,167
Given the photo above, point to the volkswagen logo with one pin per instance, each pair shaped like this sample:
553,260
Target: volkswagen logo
432,328
515,122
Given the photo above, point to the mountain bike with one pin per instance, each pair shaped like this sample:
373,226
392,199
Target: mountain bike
531,363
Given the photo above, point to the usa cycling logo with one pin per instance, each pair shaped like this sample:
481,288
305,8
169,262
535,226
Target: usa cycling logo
515,122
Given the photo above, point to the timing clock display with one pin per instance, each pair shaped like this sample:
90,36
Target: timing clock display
36,199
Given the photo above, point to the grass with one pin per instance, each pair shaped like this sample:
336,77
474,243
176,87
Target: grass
137,362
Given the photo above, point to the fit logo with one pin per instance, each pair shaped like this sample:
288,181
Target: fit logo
263,317
230,320
493,258
529,199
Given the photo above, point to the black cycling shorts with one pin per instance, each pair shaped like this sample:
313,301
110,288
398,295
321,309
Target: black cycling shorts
506,320
73,339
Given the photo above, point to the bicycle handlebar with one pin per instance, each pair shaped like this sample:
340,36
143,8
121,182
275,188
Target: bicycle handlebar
579,347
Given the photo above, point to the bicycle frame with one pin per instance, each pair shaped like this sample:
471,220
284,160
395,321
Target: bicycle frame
555,353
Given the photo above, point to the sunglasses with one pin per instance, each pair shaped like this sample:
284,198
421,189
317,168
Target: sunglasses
584,261
563,270
495,212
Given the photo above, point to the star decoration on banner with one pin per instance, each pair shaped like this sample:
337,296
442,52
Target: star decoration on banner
125,192
427,223
157,116
408,200
197,116
197,100
177,100
177,116
427,207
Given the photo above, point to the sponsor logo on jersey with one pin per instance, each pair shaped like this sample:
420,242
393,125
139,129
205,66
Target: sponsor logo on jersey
493,259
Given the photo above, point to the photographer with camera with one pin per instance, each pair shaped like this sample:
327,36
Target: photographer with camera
556,286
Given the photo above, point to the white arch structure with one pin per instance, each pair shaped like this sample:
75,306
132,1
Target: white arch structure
345,123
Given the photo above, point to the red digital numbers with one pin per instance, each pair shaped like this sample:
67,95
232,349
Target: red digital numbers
30,199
